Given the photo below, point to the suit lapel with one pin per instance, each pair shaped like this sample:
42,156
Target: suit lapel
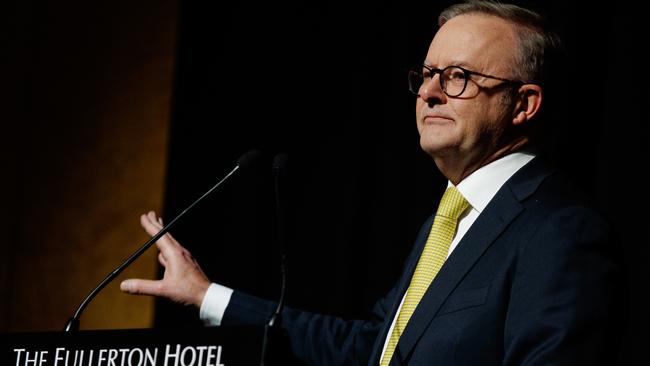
483,232
402,285
499,213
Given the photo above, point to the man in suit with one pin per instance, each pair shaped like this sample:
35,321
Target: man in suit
514,268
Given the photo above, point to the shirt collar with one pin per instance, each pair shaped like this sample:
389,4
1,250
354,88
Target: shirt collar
482,185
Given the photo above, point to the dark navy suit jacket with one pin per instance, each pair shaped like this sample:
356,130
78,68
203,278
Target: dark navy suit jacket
533,282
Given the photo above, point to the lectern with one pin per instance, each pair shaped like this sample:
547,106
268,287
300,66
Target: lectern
219,346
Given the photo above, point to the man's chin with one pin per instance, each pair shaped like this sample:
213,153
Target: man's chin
434,146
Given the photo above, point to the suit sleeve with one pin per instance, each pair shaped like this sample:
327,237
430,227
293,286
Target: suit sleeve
314,338
564,294
321,339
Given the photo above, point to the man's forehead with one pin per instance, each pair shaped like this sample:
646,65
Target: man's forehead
471,39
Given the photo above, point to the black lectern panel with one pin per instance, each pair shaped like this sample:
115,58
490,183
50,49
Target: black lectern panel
136,347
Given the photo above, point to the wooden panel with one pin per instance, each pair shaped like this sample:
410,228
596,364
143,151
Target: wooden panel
89,159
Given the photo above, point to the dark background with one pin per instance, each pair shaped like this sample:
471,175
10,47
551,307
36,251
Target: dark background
325,83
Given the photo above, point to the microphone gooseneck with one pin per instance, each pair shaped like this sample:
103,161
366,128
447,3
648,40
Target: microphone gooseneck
73,323
279,171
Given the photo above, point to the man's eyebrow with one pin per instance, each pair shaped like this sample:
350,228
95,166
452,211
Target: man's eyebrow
463,64
460,63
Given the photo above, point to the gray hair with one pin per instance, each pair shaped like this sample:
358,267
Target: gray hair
536,42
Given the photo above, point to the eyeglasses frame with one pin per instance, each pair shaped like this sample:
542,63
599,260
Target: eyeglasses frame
467,73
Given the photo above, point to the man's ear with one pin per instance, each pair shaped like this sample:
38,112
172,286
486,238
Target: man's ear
529,102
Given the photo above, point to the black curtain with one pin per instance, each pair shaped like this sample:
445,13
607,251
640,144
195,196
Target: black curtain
326,83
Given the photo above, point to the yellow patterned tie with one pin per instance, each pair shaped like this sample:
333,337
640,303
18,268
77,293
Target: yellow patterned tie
452,205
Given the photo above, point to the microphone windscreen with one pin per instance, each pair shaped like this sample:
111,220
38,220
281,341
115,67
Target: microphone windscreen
280,163
246,160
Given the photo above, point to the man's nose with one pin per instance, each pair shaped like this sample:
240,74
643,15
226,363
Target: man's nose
430,90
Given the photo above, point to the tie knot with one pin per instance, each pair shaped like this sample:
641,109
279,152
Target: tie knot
452,204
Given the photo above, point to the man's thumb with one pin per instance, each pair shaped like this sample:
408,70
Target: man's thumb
141,287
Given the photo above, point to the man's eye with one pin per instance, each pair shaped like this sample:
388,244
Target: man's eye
457,75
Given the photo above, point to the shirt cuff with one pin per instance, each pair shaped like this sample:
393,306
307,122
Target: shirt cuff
214,304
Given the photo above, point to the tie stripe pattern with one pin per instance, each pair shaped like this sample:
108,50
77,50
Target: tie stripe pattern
434,254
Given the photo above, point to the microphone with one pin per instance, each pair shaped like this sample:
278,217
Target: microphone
279,172
72,325
280,163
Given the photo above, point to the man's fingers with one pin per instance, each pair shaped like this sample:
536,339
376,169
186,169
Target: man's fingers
141,287
161,259
151,225
148,225
155,220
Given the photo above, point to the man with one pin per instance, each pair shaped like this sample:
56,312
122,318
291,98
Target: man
512,270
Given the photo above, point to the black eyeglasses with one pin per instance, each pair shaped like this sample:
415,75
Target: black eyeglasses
453,79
